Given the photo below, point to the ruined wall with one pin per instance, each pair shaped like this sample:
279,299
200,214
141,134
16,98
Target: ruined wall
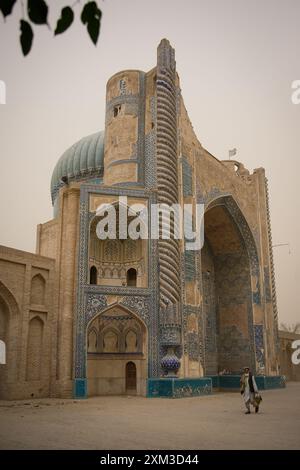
124,128
47,239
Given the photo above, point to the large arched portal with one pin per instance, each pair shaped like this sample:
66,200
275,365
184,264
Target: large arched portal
116,338
227,294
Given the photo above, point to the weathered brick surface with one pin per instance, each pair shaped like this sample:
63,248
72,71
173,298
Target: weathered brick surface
26,305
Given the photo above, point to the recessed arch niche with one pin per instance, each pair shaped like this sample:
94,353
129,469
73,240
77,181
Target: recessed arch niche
115,337
114,258
228,259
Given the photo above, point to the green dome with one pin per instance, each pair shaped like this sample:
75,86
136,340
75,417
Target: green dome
84,159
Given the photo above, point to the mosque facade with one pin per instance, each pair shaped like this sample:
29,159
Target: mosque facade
85,316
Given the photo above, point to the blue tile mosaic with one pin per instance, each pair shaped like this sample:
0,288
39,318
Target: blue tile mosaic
179,388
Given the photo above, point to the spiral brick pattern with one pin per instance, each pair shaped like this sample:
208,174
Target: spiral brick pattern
167,180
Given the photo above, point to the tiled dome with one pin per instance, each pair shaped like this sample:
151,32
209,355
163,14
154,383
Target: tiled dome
83,159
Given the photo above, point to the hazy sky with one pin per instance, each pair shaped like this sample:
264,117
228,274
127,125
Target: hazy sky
237,60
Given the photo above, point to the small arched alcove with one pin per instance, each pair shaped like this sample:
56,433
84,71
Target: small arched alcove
131,341
38,288
121,338
131,277
93,275
111,341
92,341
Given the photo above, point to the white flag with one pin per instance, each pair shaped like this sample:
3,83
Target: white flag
232,152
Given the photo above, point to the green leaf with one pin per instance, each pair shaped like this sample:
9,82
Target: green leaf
65,21
87,11
37,11
6,6
91,16
93,28
26,37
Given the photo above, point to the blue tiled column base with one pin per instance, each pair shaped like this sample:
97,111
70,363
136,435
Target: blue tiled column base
179,388
232,382
80,388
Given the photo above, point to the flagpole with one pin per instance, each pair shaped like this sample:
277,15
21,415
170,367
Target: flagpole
231,153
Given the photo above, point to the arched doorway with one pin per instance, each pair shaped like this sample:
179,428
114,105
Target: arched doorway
130,377
227,294
131,277
93,275
116,353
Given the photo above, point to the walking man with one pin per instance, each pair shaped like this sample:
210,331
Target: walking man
250,391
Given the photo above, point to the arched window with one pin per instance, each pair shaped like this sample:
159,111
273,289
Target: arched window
93,275
131,277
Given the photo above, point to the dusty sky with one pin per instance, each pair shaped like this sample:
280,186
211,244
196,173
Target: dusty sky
237,60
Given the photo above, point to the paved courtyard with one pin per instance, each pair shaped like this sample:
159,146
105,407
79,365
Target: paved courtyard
212,422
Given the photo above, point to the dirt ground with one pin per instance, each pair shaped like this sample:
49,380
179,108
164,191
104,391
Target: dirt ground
211,422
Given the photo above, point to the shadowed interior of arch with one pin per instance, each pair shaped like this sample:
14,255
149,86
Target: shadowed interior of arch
227,293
